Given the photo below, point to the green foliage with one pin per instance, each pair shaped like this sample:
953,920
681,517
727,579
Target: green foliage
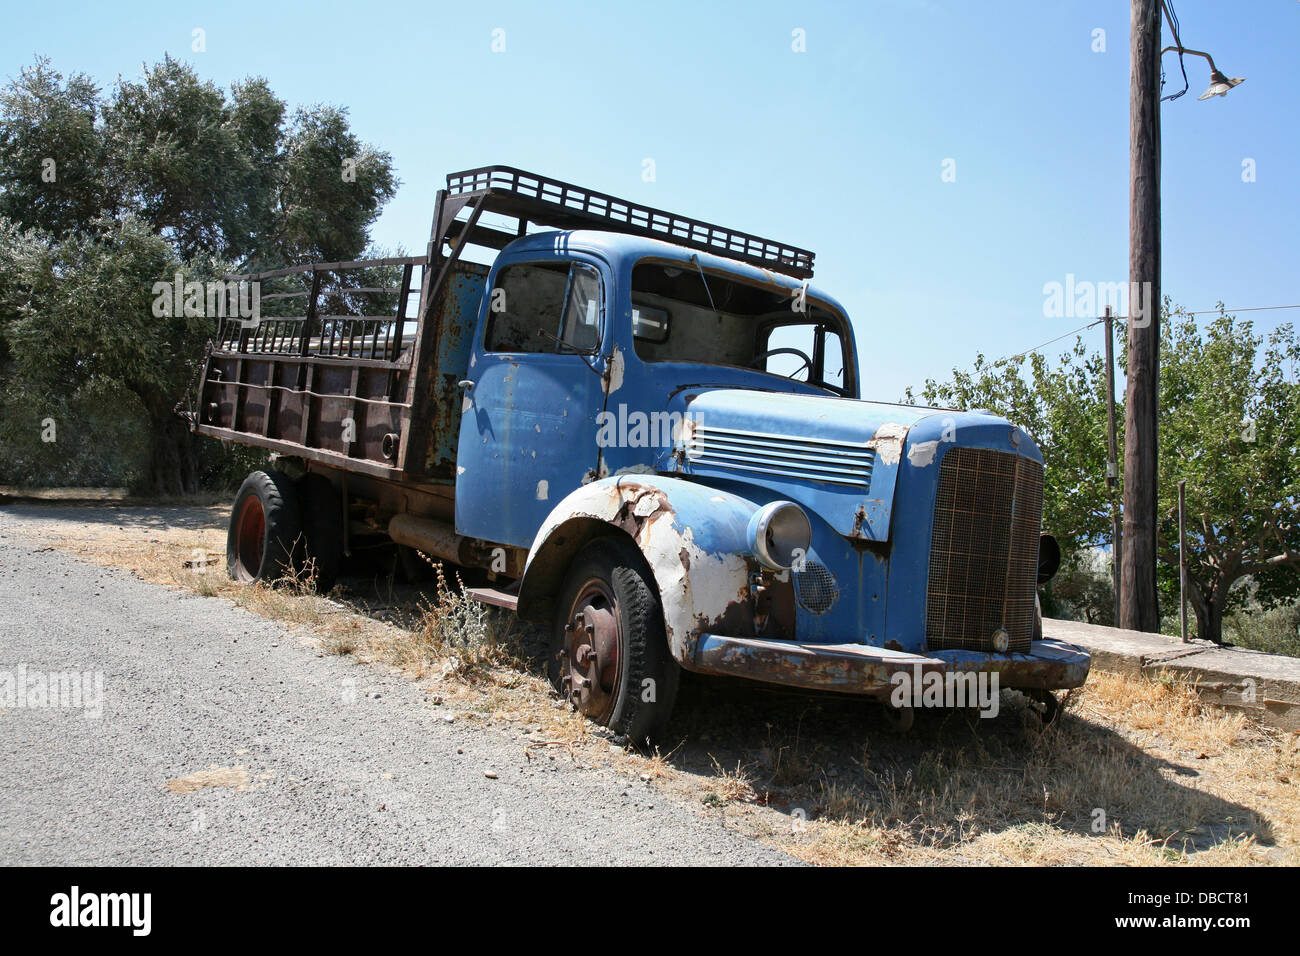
167,176
1273,630
195,166
96,437
1229,427
333,188
1062,406
52,153
87,316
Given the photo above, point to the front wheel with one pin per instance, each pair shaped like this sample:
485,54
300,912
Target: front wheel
609,653
264,528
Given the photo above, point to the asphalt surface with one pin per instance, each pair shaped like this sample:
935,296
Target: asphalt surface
325,761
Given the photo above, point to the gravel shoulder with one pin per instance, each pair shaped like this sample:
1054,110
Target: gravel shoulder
225,738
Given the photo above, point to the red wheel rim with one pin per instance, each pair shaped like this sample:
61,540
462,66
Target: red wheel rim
250,535
593,644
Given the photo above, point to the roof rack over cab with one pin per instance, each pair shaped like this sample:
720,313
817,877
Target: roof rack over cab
530,198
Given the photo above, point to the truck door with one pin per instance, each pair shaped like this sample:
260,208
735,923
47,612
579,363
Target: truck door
528,422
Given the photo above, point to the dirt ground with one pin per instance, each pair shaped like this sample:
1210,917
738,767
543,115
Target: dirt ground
1135,771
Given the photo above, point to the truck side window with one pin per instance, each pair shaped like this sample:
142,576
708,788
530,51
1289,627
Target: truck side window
527,308
833,359
526,298
582,312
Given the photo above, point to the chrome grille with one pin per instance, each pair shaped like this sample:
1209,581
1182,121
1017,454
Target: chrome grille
834,462
984,550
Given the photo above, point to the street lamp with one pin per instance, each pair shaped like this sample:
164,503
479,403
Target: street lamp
1219,84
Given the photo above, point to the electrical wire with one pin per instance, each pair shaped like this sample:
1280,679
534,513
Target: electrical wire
1178,42
1020,356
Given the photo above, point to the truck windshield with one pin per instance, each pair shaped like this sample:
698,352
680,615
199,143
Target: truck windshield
678,316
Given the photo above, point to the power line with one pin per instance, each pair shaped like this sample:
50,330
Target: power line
1122,318
1021,355
1254,308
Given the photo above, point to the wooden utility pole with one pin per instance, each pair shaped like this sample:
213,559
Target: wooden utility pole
1139,609
1112,467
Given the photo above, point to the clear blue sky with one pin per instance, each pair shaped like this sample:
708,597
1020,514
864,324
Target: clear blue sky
839,149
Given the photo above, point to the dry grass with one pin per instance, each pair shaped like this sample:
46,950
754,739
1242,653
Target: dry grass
730,785
1136,771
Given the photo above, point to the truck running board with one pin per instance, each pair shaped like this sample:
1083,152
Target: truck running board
494,597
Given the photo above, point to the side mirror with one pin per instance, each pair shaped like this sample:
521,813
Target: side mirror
1049,558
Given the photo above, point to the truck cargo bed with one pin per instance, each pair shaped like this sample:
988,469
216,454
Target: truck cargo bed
336,386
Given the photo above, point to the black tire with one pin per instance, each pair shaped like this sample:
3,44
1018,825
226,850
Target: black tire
264,528
322,530
632,694
1045,705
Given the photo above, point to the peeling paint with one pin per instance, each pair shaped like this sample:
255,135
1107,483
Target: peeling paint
645,506
887,442
543,490
696,588
614,374
922,453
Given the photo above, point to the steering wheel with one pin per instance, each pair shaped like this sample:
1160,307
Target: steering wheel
807,362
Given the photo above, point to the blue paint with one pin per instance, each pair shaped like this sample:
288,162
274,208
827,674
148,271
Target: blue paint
865,472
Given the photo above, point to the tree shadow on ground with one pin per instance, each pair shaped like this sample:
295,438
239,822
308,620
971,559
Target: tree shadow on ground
834,756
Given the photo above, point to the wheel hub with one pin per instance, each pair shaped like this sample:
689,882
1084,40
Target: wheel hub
250,535
591,651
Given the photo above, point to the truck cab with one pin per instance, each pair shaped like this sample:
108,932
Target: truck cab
649,431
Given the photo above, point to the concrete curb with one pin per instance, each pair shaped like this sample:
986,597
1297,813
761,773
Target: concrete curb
1266,686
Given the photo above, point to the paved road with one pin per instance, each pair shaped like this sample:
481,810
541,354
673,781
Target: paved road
345,764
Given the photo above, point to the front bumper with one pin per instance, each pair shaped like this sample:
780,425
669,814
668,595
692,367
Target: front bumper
863,669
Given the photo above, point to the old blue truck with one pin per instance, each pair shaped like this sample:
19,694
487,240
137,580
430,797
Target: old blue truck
647,432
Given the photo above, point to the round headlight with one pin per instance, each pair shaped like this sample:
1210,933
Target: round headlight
779,533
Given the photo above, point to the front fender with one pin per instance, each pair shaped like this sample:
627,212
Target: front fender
694,539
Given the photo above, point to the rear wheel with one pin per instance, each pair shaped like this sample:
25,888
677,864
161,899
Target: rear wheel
322,529
264,526
609,654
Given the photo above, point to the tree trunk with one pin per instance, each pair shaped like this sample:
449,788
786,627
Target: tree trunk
173,458
1208,604
1213,628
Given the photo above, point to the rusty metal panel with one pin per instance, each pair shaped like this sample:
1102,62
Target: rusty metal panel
862,669
452,320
